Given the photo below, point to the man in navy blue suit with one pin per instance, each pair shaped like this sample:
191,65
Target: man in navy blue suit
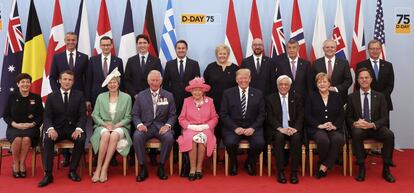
243,113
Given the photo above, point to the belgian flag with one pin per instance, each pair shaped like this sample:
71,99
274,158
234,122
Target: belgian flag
34,56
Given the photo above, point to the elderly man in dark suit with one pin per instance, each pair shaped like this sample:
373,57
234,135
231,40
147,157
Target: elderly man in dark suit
243,113
367,115
64,118
138,67
284,118
153,115
336,68
297,69
262,69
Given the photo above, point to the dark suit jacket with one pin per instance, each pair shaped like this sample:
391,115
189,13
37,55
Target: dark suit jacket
302,85
60,63
379,111
341,75
317,113
274,115
143,111
57,116
385,82
265,80
231,112
136,77
172,81
96,77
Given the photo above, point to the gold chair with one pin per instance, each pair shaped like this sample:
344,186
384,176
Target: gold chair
244,144
312,146
67,144
180,160
90,155
369,144
154,143
6,144
269,158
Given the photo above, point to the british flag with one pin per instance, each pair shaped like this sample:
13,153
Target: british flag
379,33
278,44
13,56
358,40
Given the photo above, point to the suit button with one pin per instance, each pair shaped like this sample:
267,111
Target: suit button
326,110
326,117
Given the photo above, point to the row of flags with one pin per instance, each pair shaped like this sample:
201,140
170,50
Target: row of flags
37,61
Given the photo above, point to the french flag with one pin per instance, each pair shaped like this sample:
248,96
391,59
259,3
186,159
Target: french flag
127,46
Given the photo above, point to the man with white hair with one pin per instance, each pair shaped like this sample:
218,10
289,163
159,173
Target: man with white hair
153,116
284,118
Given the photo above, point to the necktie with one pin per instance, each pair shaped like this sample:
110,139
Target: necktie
285,112
105,67
66,99
154,102
71,63
258,65
142,62
376,69
366,108
243,103
181,69
329,68
293,69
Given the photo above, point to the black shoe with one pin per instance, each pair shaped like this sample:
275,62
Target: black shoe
233,170
191,176
22,174
143,174
386,174
74,177
161,173
294,178
251,170
113,162
47,179
66,161
392,164
281,177
320,174
198,175
361,174
16,174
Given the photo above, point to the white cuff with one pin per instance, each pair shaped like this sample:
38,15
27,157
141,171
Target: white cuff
50,128
79,129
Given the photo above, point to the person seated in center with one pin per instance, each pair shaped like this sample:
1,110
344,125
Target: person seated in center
198,119
112,117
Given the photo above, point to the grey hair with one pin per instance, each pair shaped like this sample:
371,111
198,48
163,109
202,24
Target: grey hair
154,72
282,78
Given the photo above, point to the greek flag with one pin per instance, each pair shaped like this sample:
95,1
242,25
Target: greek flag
168,39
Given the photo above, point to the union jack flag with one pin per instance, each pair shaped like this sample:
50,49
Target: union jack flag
358,40
379,27
278,44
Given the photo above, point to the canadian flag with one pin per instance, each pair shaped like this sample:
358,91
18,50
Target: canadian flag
103,28
56,45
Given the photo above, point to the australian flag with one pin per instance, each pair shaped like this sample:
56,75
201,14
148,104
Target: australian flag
13,56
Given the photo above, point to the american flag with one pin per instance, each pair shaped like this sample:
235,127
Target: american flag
379,33
278,44
13,56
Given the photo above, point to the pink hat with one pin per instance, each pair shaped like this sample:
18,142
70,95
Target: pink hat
197,82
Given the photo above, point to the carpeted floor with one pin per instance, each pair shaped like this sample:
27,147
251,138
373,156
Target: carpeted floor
334,183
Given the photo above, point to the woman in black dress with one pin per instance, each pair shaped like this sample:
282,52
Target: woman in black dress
220,75
23,115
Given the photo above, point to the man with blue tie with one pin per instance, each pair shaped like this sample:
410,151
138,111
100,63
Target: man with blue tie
243,113
367,115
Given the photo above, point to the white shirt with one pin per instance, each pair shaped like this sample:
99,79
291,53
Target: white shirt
73,56
362,101
373,65
184,63
246,94
287,103
108,61
332,63
145,57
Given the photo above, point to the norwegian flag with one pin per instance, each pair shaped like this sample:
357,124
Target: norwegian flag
254,29
103,29
56,45
339,33
278,44
13,57
296,31
379,33
358,40
232,39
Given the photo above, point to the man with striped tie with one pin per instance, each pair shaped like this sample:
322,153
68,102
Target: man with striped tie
243,112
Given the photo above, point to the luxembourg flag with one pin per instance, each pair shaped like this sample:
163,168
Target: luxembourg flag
319,34
339,33
254,30
358,40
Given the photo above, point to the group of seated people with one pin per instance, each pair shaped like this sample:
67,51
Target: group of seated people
245,114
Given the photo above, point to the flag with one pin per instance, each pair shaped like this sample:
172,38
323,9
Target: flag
358,40
13,56
278,44
296,30
339,33
103,28
56,45
319,34
254,29
149,30
168,39
127,46
82,30
379,33
232,39
34,57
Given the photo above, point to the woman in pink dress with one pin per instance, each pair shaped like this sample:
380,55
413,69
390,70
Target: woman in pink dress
198,119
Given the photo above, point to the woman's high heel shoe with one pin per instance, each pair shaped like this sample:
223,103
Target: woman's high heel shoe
16,174
191,176
22,174
198,175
